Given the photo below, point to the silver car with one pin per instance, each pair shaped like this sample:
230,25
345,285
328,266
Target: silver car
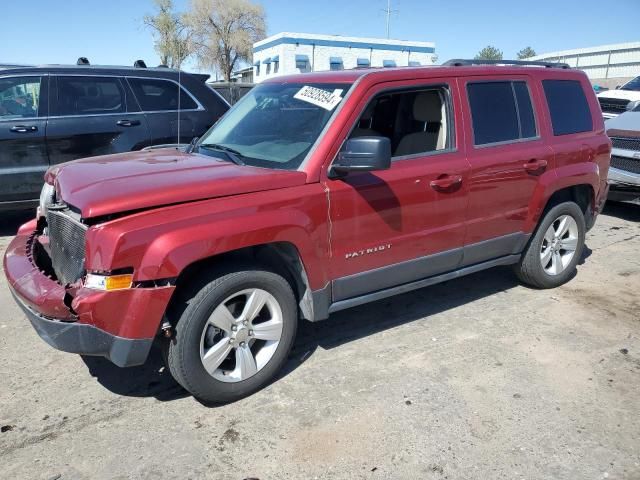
624,174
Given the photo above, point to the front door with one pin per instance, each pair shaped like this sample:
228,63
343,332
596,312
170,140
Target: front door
23,151
93,115
396,226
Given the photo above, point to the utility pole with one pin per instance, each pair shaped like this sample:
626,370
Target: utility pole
388,11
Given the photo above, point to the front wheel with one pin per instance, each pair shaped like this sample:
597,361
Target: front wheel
234,335
556,248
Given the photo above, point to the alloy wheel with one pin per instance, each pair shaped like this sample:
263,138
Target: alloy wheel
241,335
559,245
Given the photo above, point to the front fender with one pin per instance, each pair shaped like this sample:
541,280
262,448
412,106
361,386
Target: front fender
161,243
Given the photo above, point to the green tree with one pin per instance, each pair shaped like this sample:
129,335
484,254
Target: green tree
224,32
170,33
526,52
489,53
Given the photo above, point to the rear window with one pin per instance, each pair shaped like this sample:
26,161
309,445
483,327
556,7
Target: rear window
568,106
501,112
156,95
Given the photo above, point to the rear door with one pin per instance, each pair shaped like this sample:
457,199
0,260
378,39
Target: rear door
23,122
508,155
168,107
93,115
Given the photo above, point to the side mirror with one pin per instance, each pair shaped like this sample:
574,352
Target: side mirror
362,154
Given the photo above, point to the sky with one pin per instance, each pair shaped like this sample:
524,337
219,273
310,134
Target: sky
111,32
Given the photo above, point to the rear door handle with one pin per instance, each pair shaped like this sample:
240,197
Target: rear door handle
127,123
24,128
446,183
535,166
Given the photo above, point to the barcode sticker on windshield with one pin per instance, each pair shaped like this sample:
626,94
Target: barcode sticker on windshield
321,98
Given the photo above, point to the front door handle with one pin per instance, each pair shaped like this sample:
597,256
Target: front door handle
24,128
127,123
535,166
446,183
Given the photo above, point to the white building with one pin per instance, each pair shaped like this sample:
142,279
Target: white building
289,53
616,62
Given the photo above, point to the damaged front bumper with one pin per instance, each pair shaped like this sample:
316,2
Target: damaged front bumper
119,325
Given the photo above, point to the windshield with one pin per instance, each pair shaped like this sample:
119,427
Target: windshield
632,85
274,125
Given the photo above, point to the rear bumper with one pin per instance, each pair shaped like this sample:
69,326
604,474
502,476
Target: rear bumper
119,325
74,337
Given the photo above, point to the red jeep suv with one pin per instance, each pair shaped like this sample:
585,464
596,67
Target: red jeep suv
313,194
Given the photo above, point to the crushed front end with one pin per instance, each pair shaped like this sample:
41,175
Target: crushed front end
47,275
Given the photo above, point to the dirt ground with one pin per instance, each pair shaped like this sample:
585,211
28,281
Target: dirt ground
478,378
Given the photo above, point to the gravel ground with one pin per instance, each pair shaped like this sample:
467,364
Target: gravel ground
475,378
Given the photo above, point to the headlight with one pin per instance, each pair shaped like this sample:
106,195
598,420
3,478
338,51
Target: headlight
633,106
47,197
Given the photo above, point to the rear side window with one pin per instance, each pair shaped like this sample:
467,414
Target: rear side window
156,95
501,112
568,107
90,95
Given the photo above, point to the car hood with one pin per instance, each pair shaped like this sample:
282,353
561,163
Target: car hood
624,125
131,181
620,94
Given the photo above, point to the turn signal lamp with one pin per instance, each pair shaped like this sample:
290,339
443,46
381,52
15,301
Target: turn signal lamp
108,282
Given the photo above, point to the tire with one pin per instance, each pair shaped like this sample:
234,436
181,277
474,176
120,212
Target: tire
545,263
258,339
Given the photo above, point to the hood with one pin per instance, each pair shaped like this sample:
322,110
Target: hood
117,183
626,124
620,94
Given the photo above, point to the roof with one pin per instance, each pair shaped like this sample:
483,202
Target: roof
340,41
144,71
401,73
587,50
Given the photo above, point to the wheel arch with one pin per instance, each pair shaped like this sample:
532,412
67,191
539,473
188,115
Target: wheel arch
576,183
282,257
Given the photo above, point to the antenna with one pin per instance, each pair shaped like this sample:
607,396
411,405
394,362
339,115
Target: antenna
388,11
179,91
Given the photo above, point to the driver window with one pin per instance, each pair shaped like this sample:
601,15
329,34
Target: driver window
19,97
416,121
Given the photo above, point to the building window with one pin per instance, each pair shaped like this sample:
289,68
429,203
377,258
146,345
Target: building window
335,63
302,63
363,63
413,63
388,63
276,63
257,65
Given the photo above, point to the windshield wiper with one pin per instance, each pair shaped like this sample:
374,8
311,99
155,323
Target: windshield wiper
234,155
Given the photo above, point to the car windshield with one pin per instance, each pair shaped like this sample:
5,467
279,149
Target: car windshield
632,85
274,125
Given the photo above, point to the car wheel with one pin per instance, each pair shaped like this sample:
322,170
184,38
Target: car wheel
551,257
233,336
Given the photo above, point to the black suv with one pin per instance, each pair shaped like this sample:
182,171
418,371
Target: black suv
53,114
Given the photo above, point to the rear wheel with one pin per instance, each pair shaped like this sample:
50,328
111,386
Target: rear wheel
554,251
234,335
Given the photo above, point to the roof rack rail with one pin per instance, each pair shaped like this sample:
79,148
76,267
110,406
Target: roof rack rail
458,62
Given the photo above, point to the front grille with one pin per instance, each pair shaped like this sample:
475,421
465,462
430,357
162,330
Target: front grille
626,143
625,163
66,240
613,105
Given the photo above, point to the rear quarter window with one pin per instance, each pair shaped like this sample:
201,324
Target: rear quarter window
155,95
568,107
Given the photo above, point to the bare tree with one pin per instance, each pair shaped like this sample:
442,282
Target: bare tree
171,35
224,32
